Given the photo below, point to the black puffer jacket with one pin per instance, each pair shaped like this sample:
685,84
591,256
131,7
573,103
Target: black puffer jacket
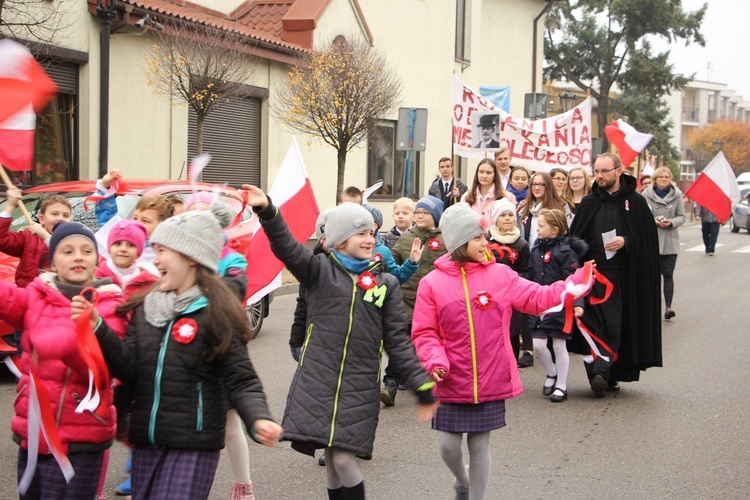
334,397
180,400
554,259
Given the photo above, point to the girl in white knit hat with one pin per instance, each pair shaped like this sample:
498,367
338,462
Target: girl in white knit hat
183,354
354,312
460,330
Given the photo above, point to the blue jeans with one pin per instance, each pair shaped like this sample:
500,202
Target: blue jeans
710,235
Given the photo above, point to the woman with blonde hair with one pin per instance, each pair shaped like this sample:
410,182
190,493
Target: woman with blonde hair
665,201
578,186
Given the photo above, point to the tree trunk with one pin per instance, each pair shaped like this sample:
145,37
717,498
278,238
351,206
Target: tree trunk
341,157
602,114
199,134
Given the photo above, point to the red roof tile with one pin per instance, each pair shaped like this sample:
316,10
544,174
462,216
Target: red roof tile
259,19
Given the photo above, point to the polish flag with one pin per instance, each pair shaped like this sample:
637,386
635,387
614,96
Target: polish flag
716,188
25,90
292,193
629,141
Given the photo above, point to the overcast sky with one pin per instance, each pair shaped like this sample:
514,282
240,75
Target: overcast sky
726,29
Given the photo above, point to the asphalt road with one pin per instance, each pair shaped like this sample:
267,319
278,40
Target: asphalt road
681,432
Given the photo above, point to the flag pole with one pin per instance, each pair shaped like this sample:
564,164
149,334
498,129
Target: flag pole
10,185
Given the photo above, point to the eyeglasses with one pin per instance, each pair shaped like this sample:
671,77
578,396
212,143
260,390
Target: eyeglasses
537,184
605,171
421,213
576,178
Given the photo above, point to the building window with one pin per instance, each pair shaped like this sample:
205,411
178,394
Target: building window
386,163
463,21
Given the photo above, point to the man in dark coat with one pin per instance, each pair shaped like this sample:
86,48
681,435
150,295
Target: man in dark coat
447,188
629,322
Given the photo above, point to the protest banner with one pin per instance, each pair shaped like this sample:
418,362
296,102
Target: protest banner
561,141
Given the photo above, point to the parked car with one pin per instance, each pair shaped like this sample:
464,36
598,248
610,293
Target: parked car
76,191
739,218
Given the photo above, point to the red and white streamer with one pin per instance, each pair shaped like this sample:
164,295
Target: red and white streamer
119,186
196,167
40,418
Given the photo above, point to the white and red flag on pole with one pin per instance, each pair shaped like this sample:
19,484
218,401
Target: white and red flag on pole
716,188
629,142
25,90
292,193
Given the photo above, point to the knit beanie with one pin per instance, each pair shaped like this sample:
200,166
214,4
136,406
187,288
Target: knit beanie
320,224
198,235
128,230
377,215
501,206
200,197
64,230
346,220
432,205
460,224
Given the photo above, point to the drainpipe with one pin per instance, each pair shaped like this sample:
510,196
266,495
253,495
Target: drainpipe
106,11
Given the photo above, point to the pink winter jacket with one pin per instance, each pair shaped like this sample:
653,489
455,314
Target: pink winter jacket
42,313
479,361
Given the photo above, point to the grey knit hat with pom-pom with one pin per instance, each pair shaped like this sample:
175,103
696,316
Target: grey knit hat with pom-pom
198,235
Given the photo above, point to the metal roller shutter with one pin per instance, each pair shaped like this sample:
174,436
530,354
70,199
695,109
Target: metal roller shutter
231,134
65,75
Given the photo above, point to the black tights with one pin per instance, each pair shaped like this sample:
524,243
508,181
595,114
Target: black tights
668,289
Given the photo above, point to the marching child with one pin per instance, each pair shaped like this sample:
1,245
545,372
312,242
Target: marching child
125,242
382,253
183,353
30,245
403,217
425,229
509,248
460,331
353,313
51,354
554,257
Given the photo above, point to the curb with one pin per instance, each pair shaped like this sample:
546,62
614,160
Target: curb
292,288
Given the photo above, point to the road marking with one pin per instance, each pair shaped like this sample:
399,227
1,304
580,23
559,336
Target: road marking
701,248
742,250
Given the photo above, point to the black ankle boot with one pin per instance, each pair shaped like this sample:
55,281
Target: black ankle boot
354,493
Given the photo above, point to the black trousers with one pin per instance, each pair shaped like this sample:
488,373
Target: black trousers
710,232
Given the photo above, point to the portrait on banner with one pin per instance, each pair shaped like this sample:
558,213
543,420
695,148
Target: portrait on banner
485,131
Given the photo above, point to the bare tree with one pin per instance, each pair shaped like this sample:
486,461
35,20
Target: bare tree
337,95
33,20
203,67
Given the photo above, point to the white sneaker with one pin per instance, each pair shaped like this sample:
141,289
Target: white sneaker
242,491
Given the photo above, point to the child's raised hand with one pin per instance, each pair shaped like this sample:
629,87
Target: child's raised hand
38,230
427,411
14,196
255,196
111,177
268,432
416,250
80,304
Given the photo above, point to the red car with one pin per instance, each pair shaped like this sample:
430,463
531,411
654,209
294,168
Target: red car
77,191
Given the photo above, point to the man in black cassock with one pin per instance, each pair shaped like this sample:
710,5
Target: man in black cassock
630,321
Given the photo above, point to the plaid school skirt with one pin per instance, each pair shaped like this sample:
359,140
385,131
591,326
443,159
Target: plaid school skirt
49,482
161,474
467,417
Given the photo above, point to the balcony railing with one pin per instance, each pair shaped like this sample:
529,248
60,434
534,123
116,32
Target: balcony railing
690,114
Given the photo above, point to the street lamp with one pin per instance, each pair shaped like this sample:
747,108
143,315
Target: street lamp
717,146
568,100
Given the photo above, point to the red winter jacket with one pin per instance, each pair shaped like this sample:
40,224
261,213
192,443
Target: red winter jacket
479,363
42,313
32,251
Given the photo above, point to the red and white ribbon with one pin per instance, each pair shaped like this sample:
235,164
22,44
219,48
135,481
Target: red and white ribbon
196,167
592,340
119,186
40,418
97,397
